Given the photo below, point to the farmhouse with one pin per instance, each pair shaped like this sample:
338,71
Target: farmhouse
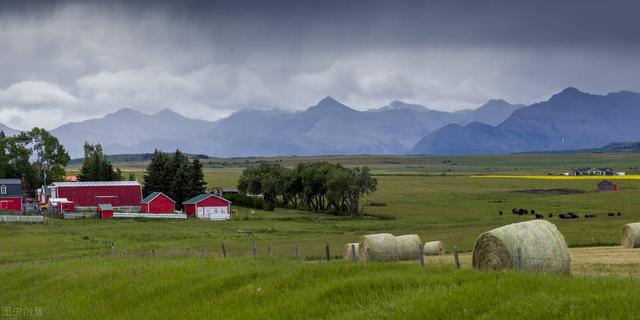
593,172
89,194
105,211
11,194
158,202
208,206
607,186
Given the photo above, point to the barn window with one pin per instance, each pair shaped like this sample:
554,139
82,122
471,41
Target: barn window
3,189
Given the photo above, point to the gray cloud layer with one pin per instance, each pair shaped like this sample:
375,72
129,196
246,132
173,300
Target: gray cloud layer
65,61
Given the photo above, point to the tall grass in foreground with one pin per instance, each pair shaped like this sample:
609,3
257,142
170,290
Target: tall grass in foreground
245,288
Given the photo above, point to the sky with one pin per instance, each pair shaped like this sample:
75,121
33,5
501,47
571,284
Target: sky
64,61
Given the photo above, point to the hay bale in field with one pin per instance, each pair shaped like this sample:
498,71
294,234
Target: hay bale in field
347,254
408,247
631,235
542,248
378,247
434,248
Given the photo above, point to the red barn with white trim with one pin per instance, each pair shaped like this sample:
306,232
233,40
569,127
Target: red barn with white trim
93,193
10,195
158,202
208,206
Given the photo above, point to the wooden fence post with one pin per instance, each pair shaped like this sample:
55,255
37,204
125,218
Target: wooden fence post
224,251
421,257
354,256
113,248
328,252
297,250
153,252
255,250
455,257
269,249
519,257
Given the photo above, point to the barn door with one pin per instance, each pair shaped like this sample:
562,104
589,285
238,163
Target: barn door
200,212
4,205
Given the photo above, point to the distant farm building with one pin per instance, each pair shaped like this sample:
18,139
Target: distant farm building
158,202
90,194
607,186
221,192
10,195
593,172
105,211
209,207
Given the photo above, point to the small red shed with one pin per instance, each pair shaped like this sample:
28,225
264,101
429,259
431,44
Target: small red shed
208,206
10,195
105,211
607,186
158,202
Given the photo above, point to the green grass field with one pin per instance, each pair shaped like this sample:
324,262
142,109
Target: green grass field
67,267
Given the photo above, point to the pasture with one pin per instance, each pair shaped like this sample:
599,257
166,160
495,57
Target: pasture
177,265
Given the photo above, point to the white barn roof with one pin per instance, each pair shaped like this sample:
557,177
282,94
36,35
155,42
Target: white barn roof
96,184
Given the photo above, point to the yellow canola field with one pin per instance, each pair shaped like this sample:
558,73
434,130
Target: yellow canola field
627,177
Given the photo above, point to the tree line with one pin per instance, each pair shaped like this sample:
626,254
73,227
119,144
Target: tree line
96,166
317,186
174,175
32,156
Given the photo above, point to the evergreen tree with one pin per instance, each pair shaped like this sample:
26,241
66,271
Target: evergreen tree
4,156
96,165
197,183
180,190
157,178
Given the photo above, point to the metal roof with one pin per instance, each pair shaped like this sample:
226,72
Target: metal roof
153,195
105,206
201,197
10,181
95,184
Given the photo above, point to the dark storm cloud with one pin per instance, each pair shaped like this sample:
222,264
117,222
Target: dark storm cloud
79,59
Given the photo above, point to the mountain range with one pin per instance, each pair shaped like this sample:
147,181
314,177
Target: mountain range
569,120
329,127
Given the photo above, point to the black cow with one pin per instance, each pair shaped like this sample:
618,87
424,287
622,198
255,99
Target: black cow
539,216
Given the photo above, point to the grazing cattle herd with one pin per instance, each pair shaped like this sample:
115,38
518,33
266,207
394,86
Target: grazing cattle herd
568,215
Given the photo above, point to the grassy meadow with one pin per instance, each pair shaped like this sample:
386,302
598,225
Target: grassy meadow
243,288
173,268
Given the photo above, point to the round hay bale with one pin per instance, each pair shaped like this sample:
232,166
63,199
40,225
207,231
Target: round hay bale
408,247
631,235
378,247
347,254
434,248
542,247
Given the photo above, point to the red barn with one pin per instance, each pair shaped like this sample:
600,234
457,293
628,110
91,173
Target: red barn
105,211
92,193
208,206
158,202
10,195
